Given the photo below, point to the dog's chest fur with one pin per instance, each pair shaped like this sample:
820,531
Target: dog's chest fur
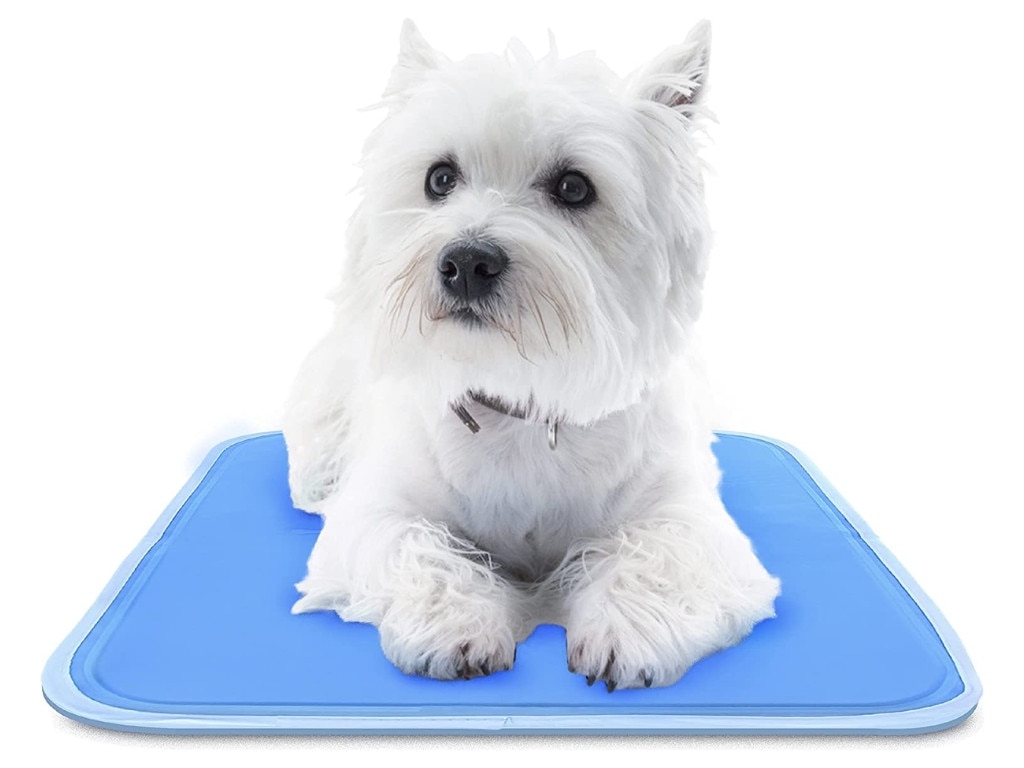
522,501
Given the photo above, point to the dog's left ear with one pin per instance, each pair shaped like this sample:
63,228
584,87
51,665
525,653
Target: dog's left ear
416,57
678,76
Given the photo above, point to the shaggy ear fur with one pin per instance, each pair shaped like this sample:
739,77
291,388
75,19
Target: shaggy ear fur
415,58
678,76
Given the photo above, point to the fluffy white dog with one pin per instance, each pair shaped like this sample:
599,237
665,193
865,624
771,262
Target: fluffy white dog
503,426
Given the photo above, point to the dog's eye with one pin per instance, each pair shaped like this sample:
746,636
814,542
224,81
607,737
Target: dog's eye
441,179
573,189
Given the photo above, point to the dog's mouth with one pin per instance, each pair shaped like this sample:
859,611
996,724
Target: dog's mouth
468,317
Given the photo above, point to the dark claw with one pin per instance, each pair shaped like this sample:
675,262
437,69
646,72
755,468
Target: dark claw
485,668
591,679
648,679
611,685
608,667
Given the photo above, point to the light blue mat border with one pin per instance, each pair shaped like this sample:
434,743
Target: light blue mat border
62,694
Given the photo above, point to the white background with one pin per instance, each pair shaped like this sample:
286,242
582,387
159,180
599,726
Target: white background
173,198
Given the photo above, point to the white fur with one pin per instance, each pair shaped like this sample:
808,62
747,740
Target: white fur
457,544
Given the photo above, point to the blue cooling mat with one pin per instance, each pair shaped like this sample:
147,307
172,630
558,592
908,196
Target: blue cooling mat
194,633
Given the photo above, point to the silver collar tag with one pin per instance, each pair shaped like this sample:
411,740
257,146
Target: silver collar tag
552,433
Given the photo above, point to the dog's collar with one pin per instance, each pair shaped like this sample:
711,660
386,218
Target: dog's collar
501,407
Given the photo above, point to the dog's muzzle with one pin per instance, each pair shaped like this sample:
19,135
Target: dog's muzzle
469,270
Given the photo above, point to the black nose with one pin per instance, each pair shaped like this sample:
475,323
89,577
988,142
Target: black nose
470,269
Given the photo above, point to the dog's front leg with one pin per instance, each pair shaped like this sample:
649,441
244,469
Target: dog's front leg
316,423
441,608
662,592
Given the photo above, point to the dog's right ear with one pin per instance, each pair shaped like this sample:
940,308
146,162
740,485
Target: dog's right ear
416,57
676,78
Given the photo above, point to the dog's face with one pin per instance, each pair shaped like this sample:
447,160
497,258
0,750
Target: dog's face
534,230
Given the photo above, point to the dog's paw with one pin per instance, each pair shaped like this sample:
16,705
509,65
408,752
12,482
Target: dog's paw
623,657
642,639
448,639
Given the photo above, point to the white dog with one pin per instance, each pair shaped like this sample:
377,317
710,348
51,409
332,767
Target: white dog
503,425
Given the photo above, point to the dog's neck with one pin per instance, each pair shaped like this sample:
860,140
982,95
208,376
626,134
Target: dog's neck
500,406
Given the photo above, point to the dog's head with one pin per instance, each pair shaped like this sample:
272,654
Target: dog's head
532,229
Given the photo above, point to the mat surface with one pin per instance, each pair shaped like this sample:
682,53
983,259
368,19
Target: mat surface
194,632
